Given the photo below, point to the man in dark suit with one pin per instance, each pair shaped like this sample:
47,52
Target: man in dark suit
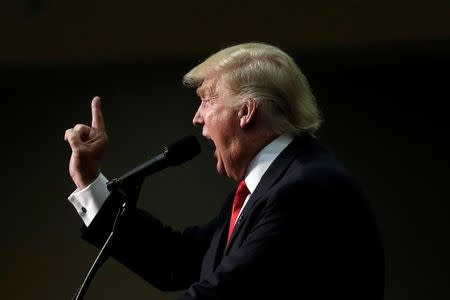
298,227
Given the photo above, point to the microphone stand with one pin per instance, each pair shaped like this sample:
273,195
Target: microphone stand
128,187
128,192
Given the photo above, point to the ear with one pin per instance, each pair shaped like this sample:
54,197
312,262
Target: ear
247,113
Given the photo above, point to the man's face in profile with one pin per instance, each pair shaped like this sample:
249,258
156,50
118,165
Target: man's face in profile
220,122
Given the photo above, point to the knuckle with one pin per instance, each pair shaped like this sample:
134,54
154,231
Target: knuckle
72,137
79,127
69,133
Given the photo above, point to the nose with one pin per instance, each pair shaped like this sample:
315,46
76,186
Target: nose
198,119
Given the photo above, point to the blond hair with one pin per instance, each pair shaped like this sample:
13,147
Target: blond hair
269,76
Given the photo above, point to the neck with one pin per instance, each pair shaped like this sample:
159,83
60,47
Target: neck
252,144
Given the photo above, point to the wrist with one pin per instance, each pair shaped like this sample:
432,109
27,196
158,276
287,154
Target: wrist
82,182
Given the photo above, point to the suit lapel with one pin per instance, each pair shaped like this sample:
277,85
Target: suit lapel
219,239
270,177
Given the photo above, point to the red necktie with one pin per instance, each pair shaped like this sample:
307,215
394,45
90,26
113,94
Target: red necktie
241,193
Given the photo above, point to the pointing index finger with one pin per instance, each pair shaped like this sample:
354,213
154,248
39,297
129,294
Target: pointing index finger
97,116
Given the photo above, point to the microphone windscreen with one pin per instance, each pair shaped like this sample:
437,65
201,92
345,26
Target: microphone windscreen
182,150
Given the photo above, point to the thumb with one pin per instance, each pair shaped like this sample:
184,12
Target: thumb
73,138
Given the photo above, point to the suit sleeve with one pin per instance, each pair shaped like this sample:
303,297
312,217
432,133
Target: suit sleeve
170,260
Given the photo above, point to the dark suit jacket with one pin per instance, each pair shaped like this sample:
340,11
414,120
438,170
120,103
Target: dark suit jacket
307,232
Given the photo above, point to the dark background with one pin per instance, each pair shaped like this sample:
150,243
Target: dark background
379,72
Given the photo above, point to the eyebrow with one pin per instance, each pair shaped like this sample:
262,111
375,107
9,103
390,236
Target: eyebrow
209,88
200,91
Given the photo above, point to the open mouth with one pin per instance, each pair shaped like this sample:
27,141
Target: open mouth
210,143
210,146
214,149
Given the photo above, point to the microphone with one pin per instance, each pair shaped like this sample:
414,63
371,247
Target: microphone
174,154
129,184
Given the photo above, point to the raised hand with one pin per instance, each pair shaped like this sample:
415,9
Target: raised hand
88,145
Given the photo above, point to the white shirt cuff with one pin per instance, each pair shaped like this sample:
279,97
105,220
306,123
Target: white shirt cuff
89,200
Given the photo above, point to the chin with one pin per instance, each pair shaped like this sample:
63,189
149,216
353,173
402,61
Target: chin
220,168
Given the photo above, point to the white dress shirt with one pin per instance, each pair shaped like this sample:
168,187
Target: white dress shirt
89,200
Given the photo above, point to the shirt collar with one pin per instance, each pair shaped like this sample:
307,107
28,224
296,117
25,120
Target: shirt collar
262,161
